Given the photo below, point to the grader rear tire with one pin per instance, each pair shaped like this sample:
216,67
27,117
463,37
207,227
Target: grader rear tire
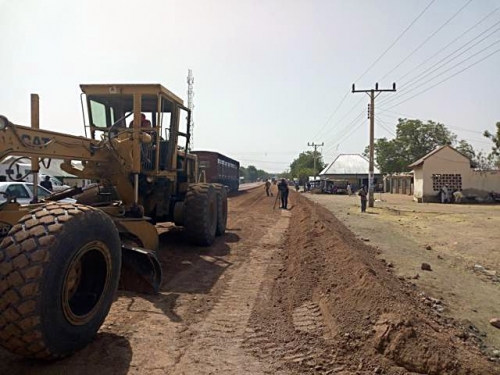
200,218
59,271
221,209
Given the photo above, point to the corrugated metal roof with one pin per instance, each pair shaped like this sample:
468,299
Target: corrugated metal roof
435,151
348,164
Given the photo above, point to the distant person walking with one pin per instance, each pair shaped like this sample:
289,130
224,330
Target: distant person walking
445,198
268,187
308,186
283,190
349,189
362,195
46,183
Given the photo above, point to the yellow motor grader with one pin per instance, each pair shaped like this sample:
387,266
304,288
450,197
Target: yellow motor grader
62,263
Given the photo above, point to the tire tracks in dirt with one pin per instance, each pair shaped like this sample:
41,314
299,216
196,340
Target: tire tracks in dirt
216,348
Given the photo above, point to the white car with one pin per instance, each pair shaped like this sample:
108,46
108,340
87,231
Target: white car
23,192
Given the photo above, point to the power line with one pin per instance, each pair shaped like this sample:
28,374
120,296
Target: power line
428,38
414,117
422,75
450,43
334,140
446,79
346,136
345,116
373,64
397,39
333,114
385,126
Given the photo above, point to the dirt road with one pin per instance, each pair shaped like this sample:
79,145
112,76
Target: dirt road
283,292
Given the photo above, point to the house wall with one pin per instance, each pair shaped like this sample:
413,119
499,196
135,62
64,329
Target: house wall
418,182
481,183
449,162
446,161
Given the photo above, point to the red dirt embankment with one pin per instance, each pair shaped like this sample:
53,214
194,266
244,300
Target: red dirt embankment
371,320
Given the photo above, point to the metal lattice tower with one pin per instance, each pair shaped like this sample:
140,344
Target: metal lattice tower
190,82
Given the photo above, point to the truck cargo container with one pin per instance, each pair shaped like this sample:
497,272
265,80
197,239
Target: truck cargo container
219,168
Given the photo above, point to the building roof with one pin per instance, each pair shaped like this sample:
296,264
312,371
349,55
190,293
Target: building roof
348,164
433,152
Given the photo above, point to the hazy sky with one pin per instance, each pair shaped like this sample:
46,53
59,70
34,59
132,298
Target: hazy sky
268,74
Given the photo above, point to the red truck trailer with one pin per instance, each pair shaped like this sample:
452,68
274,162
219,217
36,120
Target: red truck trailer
219,168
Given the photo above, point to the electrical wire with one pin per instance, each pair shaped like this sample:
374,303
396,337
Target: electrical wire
428,38
338,135
384,126
346,134
372,65
345,116
450,43
418,78
446,79
333,114
397,39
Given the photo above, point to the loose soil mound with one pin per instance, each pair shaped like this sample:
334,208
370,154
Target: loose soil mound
371,320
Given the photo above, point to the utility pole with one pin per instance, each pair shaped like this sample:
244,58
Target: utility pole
373,93
315,155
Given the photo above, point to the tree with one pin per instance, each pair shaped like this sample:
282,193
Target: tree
414,139
466,149
303,166
494,157
252,173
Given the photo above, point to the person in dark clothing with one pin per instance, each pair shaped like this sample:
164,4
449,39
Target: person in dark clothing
362,194
268,187
46,183
283,190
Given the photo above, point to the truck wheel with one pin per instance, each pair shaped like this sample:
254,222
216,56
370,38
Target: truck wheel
221,209
201,214
59,271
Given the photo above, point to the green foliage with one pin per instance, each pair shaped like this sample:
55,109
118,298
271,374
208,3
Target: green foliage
414,139
303,166
495,138
251,173
466,149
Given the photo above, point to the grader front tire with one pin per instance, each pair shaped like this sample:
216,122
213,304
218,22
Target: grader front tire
59,271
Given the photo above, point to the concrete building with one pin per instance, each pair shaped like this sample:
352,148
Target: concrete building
399,183
445,166
350,167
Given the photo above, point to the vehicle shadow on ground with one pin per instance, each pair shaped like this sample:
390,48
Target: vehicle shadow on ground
192,269
164,302
108,353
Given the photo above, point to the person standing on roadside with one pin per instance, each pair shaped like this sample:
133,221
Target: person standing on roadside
268,187
362,195
283,190
46,183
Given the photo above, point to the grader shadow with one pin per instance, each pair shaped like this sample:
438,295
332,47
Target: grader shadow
192,269
108,353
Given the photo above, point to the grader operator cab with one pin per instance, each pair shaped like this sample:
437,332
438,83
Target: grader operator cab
61,264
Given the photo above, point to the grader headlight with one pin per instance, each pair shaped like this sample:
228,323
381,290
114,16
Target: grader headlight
3,122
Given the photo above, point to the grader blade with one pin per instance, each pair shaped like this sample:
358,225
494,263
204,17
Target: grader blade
141,270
